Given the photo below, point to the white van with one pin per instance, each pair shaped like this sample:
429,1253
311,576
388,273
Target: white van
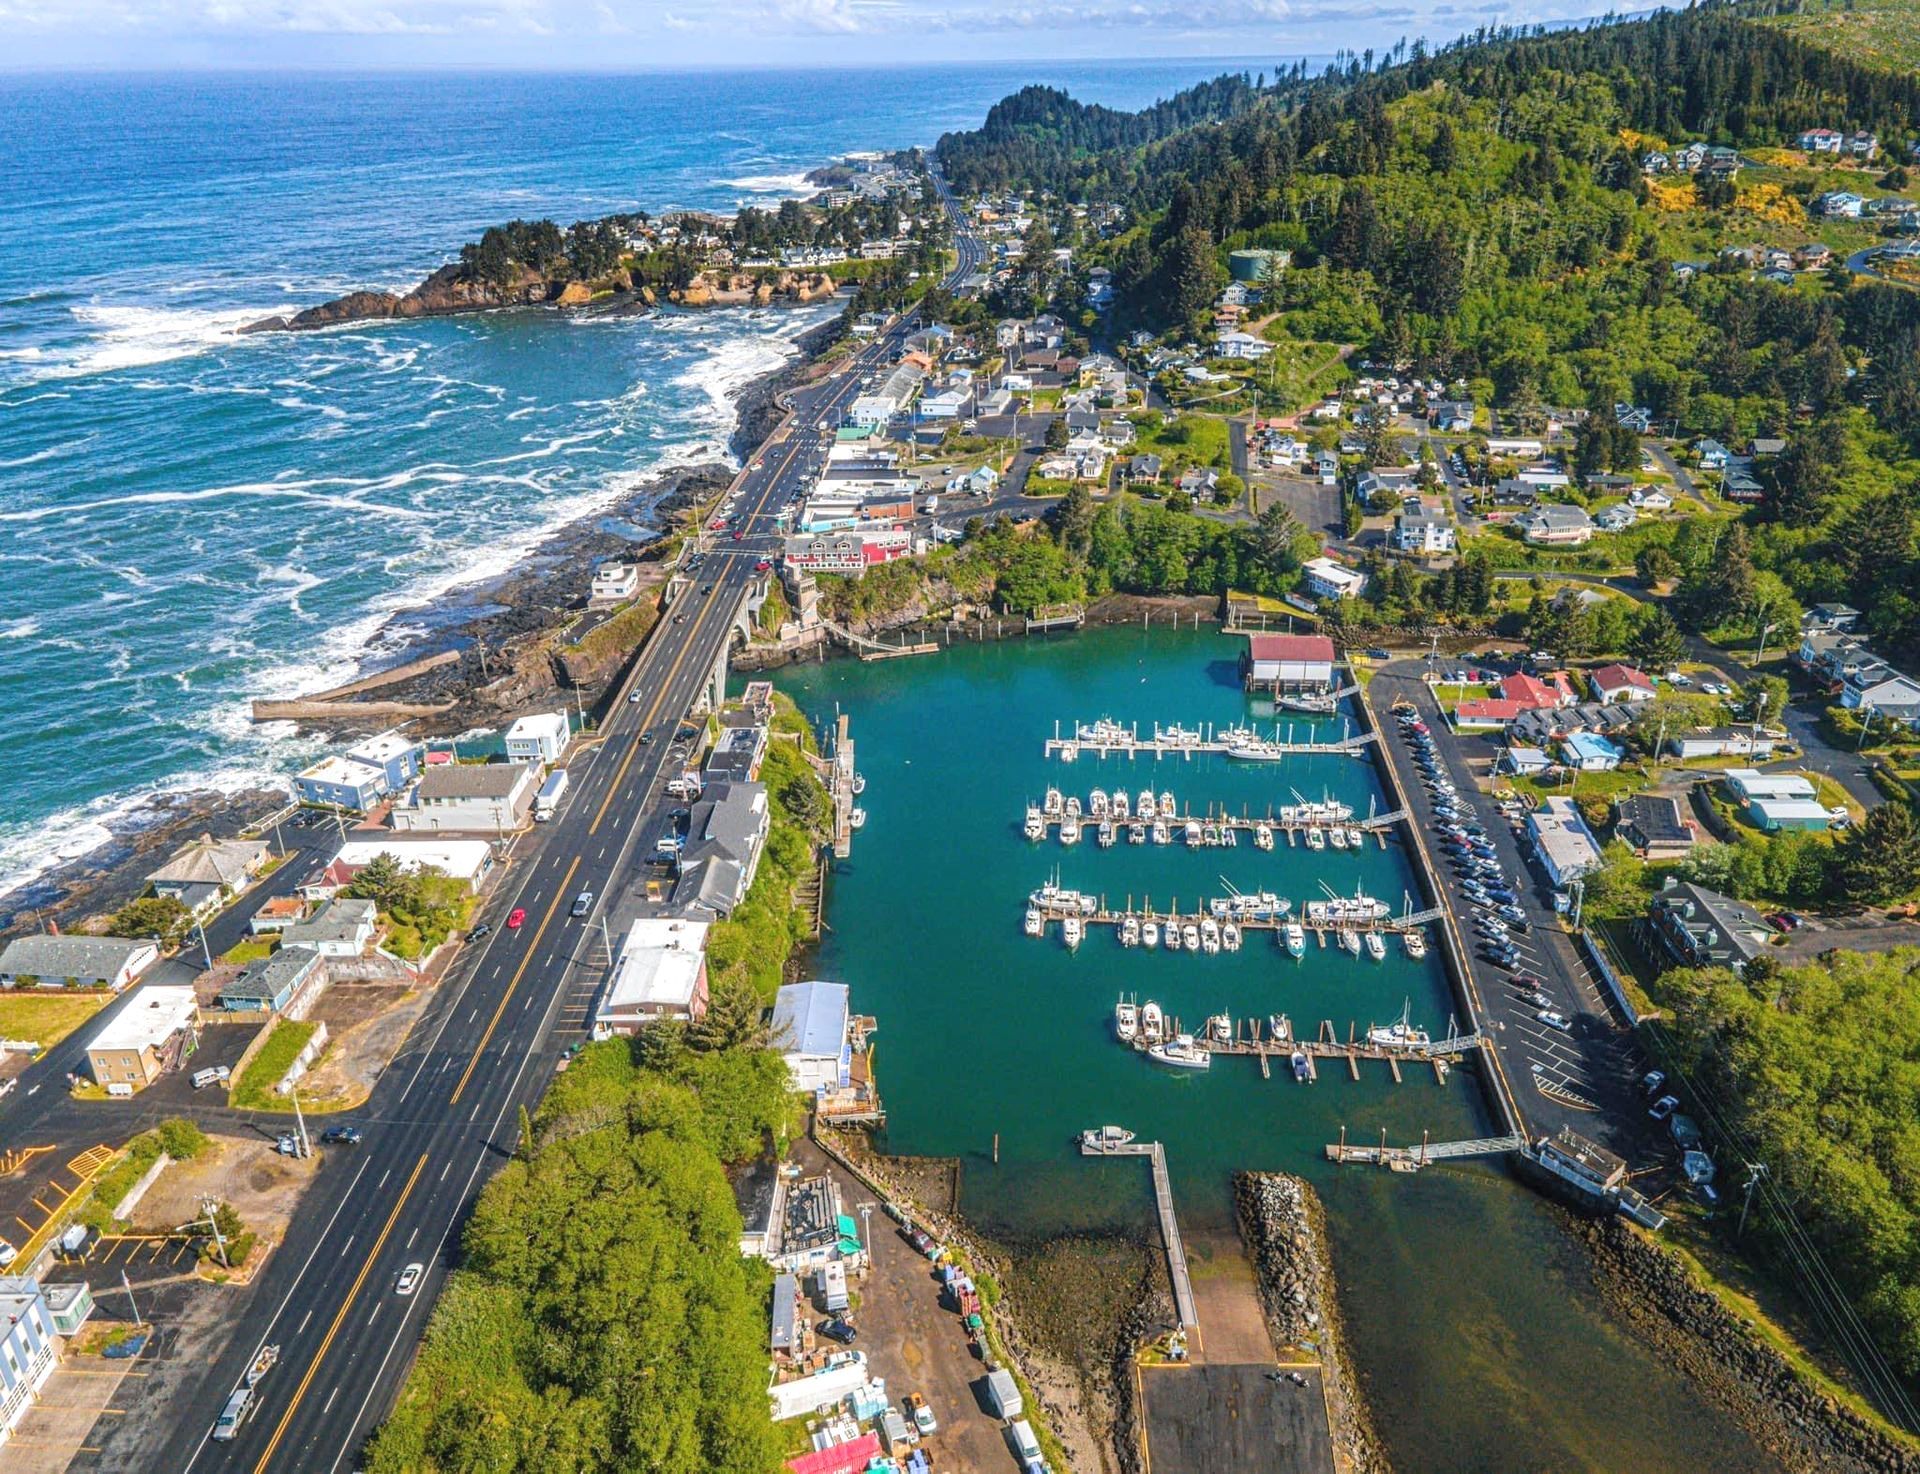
216,1075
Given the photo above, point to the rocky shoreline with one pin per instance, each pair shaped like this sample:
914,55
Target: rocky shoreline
1722,1353
1285,1231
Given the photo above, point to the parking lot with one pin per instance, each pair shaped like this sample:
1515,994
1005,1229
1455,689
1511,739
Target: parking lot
1567,1055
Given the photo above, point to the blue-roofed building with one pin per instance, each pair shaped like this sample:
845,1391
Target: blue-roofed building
1589,752
810,1029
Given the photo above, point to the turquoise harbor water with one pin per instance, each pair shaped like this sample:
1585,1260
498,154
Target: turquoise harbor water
189,520
1471,1310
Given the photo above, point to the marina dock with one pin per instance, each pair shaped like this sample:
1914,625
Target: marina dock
1221,822
1413,1158
840,785
1169,1224
1109,739
1320,929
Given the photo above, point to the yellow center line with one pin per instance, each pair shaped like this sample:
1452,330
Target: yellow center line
340,1316
532,946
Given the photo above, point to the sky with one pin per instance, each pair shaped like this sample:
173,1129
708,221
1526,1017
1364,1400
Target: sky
636,34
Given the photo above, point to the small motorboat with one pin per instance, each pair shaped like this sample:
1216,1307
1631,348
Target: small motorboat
1150,934
1230,936
1190,936
1337,837
1301,1070
1054,803
1152,1023
859,783
1173,936
1263,836
1107,835
1354,836
1279,1028
1416,944
1072,930
1167,807
1035,923
1350,943
1126,1020
1219,1029
1130,932
1316,838
1104,1138
1376,946
262,1364
1097,803
1180,1053
1070,830
1036,823
857,819
1296,939
1136,833
1143,806
1121,805
1161,835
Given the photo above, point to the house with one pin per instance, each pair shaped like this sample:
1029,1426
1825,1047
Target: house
1589,752
1143,469
469,861
343,927
1243,346
1840,204
1523,762
1326,467
1837,618
1712,455
1487,714
1560,837
1511,491
274,913
738,751
1724,742
1654,825
205,871
1617,517
1555,525
1822,140
340,782
948,404
759,1193
1451,416
1537,692
1324,578
1613,684
810,1029
660,973
153,1031
58,961
1702,928
1812,256
1288,663
1378,486
1199,481
469,798
1650,499
1423,531
1897,697
614,582
540,737
27,1355
286,983
725,835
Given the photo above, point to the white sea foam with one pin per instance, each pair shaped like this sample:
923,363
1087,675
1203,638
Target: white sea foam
20,629
792,185
121,336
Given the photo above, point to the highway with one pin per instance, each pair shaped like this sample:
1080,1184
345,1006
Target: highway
445,1113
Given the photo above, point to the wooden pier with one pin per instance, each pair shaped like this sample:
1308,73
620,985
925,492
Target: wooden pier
1110,739
1169,1224
1413,1158
841,786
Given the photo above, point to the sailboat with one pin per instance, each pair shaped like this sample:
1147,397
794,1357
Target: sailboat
1399,1032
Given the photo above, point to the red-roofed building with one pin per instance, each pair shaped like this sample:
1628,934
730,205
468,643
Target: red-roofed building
1533,693
1485,716
1288,663
842,1458
1617,683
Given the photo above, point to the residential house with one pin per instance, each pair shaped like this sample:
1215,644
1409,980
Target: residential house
725,835
1424,531
1486,714
1634,417
1325,578
661,973
1835,618
1556,525
396,756
1655,826
1702,928
1650,499
1199,481
1812,256
27,1355
1326,466
1616,517
1589,752
1539,692
1619,683
1451,416
1143,469
539,738
152,1032
1896,698
342,927
1522,761
206,871
274,913
1511,491
811,1030
59,961
286,983
1822,140
469,798
469,861
1243,346
340,782
1560,837
1711,454
1840,204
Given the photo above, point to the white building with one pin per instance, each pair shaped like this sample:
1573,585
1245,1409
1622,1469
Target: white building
26,1349
1565,845
341,782
469,798
614,583
540,737
144,1037
467,860
1327,579
810,1029
1423,531
661,973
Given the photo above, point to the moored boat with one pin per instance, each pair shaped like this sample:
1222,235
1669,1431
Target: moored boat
1143,805
1108,835
1350,943
1263,835
1152,1022
1230,936
1279,1028
1150,934
1190,936
1036,823
857,819
1160,832
1130,932
1376,946
1296,939
1400,1033
1167,807
1181,1053
1126,1020
1416,944
1316,838
1035,923
1210,936
1219,1029
1301,1072
1070,830
1337,837
1071,931
1354,836
1173,936
1102,1137
1136,833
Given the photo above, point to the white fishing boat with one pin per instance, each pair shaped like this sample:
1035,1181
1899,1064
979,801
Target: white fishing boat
1296,939
1210,936
1238,905
1071,931
1279,1028
1152,1023
1337,837
1149,934
1376,946
1229,836
1072,809
1399,1033
1143,805
1097,803
1054,802
1102,1137
1161,834
1054,897
857,818
1035,923
1172,936
1354,836
1181,1053
1070,830
1121,807
1302,1071
1108,834
1230,936
1350,943
1316,838
1416,944
1130,932
1210,834
1192,832
1126,1020
1263,836
1136,833
1321,705
1190,936
1167,806
1218,1029
859,783
1036,823
1177,736
1105,732
1358,909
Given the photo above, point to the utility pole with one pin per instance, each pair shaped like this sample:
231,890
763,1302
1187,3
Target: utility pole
213,1222
1755,1171
300,1126
127,1285
205,950
1866,721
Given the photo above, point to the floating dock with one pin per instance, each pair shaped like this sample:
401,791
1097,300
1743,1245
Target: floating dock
840,784
1321,929
1110,739
1169,1224
1252,1040
1239,824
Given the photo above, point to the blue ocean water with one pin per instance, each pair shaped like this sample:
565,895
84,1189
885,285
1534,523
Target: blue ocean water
189,520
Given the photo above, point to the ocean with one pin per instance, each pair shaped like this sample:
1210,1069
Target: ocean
190,520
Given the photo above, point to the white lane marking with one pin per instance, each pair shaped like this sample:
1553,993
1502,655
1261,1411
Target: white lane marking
383,1179
330,1397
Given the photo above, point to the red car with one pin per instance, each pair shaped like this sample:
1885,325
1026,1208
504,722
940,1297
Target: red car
738,535
517,919
762,566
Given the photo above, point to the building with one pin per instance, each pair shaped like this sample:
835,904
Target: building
1750,784
341,783
1702,928
1896,697
661,973
274,913
75,961
1522,761
1654,826
1589,752
737,755
1834,618
206,871
469,861
1561,838
1724,742
725,835
760,1193
398,758
784,1335
1556,525
811,1029
1615,518
1324,578
1614,684
850,551
614,583
68,1305
342,927
26,1349
153,1031
1490,714
469,798
1288,663
540,737
287,982
1539,692
1423,531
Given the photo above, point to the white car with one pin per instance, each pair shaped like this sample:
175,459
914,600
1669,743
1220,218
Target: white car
1663,1107
7,1253
409,1280
1554,1020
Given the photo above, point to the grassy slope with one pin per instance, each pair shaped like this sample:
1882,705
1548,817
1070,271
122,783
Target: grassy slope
1882,32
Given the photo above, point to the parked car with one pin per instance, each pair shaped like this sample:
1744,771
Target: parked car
474,934
1555,1020
1663,1107
839,1330
922,1415
1652,1081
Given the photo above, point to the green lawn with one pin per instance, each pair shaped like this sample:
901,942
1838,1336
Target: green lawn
254,1089
254,949
47,1018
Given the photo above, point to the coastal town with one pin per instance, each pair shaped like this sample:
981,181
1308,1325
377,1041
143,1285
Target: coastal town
1487,773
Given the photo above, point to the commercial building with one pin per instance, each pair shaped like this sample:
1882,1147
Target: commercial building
1697,927
614,583
467,860
660,973
1655,826
152,1032
1561,838
725,835
540,737
341,783
810,1029
75,962
737,755
286,982
1288,663
851,551
466,798
26,1349
397,757
1724,742
205,871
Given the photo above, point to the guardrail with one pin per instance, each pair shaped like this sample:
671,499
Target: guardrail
1596,950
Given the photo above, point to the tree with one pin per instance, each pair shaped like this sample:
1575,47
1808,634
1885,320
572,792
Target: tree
1657,643
1353,517
732,1020
1654,565
164,917
382,881
1880,860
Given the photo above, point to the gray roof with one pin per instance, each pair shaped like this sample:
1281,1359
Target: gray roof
1655,818
471,780
210,861
80,957
340,920
728,822
810,1018
1723,931
267,979
1558,514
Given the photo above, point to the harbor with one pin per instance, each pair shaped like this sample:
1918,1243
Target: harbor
1108,738
1115,1141
1150,1030
1107,818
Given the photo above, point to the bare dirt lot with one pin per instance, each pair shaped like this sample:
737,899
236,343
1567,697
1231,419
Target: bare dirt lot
263,1186
1209,1418
366,1024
